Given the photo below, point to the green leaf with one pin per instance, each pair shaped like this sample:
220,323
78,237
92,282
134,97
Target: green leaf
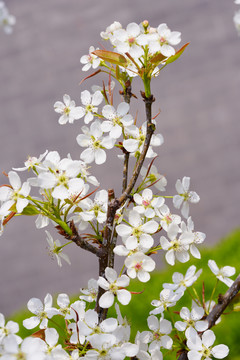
30,210
111,56
177,55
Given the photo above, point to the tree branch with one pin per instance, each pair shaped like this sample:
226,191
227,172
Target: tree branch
78,240
150,131
216,312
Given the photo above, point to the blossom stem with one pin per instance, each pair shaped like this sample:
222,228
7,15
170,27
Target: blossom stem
212,294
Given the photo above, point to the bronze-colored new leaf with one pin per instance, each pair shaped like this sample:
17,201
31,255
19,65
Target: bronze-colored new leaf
177,55
111,56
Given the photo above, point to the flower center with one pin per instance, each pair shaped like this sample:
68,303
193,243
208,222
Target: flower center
67,110
138,266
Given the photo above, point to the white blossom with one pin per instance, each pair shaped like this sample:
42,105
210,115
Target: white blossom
192,320
90,294
181,282
116,119
168,298
7,21
95,143
147,205
202,348
114,285
68,110
17,194
90,60
55,249
90,103
163,41
139,265
42,312
184,196
176,248
223,273
236,20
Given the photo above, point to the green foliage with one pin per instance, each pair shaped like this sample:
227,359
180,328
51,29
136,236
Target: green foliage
226,252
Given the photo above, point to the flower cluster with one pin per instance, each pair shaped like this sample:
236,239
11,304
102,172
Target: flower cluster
67,194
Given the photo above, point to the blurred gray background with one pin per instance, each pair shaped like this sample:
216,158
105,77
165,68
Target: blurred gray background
198,97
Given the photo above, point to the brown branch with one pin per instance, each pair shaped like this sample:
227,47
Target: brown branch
150,131
223,302
78,240
216,312
127,97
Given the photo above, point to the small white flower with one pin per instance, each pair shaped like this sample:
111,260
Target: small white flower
14,194
168,298
160,329
184,196
55,249
167,218
164,40
159,181
116,119
7,21
90,103
68,110
96,209
10,328
176,247
181,282
137,232
42,312
90,294
192,320
147,205
223,273
202,348
90,60
236,20
33,163
95,143
108,33
139,265
126,40
199,237
114,286
27,350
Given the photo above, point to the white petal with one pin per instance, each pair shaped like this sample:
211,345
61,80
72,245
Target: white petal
106,300
220,351
123,296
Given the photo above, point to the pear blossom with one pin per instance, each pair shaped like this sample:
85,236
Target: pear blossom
62,177
137,231
54,350
117,119
95,143
199,237
90,103
159,334
9,328
55,248
192,320
236,20
68,110
90,294
202,347
152,176
184,196
96,209
166,217
168,298
30,349
90,60
136,141
42,312
114,286
108,33
176,248
146,204
163,41
7,21
223,273
181,282
126,40
89,325
33,163
63,302
139,265
15,194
